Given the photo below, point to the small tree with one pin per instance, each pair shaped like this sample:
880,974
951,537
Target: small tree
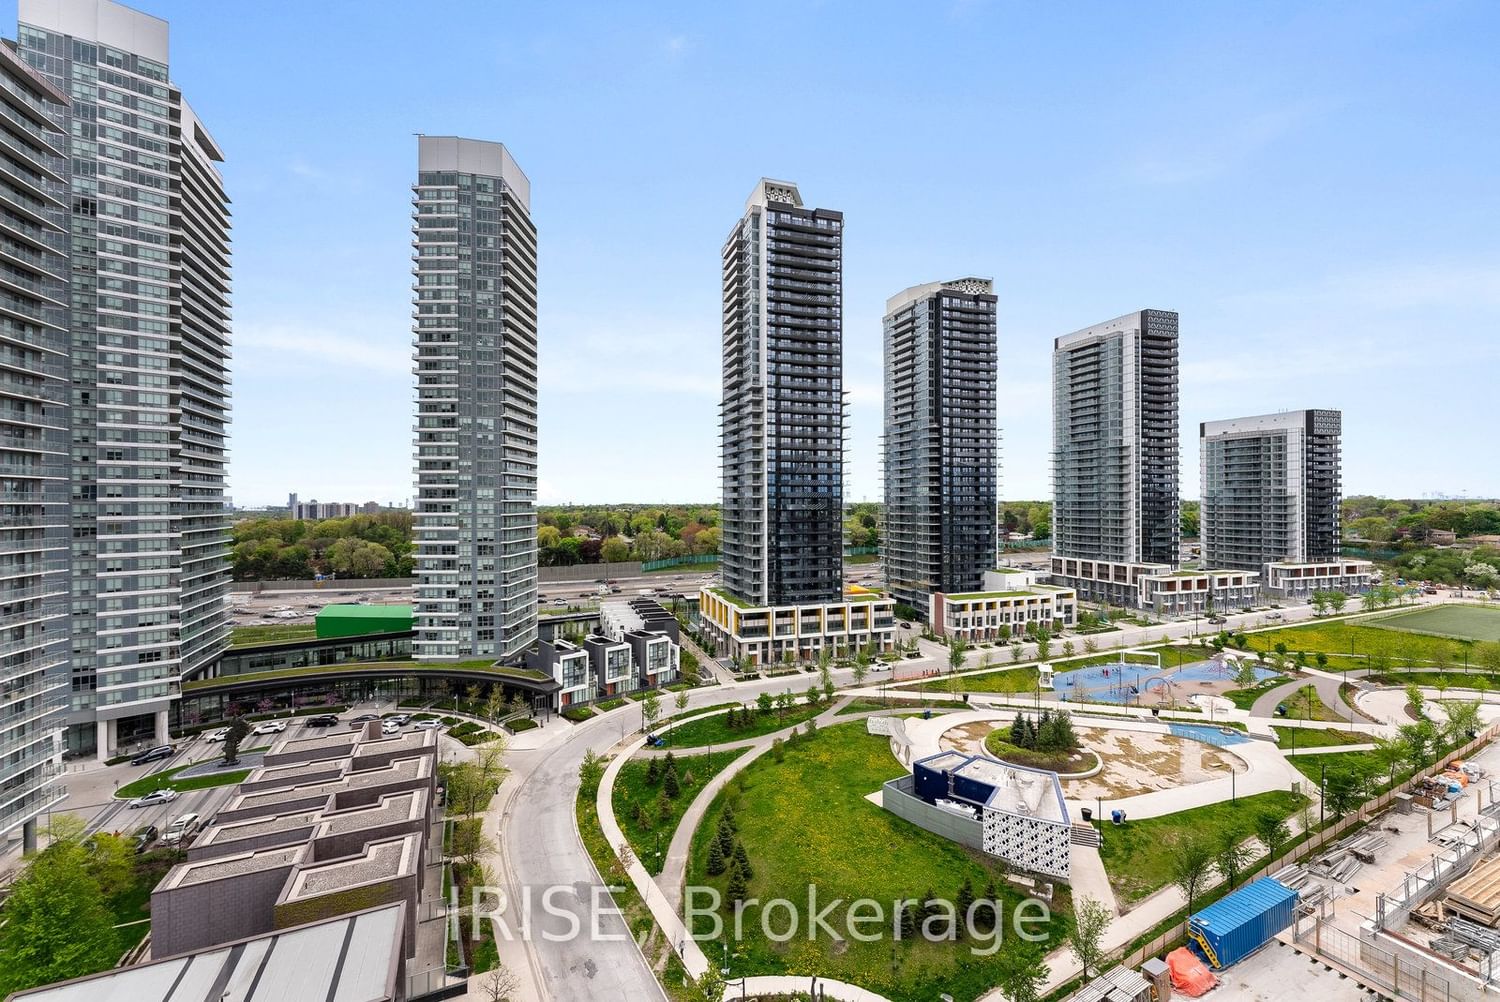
1189,865
742,861
711,985
715,858
650,711
1068,649
1231,854
1090,645
1336,601
1086,939
861,670
1022,971
763,703
957,650
670,784
1272,832
499,983
739,885
681,702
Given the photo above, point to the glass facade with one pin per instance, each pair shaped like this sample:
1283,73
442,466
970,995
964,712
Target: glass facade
782,416
33,443
476,341
941,476
148,247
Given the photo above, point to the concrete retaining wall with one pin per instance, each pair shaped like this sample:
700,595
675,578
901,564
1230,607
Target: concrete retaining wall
898,798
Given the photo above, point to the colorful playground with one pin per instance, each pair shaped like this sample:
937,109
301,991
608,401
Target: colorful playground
1136,683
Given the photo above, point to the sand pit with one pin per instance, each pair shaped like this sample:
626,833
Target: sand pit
1135,762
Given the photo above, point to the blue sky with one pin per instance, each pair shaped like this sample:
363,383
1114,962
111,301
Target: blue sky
1311,186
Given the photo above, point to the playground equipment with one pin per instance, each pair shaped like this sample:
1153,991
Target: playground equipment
1046,678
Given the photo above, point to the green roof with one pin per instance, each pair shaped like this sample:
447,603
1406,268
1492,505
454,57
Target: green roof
731,598
359,620
393,667
970,596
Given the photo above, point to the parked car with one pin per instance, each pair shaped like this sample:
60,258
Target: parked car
154,754
1217,619
218,735
180,830
144,836
362,719
428,725
322,720
1274,617
153,798
389,727
400,719
269,727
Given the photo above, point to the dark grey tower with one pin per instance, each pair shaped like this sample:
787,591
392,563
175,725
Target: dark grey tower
782,415
940,439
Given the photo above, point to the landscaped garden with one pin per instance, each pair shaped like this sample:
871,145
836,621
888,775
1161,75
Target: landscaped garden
1140,856
1317,737
1045,741
750,720
270,633
1367,642
1305,704
1011,680
651,794
801,817
168,781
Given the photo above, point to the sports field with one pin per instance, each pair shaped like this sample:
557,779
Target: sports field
1461,622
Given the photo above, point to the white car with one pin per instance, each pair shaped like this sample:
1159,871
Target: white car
269,727
218,735
180,829
153,798
390,727
428,725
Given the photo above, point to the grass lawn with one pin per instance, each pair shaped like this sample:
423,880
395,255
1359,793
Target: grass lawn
1138,854
1245,698
715,730
243,636
1005,680
805,821
651,838
1306,704
1436,679
1343,637
1459,622
1317,737
867,704
166,780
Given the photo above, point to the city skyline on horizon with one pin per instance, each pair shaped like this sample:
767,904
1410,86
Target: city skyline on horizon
1274,206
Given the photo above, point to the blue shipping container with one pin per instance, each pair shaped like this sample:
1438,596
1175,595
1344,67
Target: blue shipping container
1232,928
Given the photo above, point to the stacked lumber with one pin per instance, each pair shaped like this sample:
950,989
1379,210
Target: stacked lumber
1476,895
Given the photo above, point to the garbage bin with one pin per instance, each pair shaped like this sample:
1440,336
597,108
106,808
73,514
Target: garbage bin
1088,813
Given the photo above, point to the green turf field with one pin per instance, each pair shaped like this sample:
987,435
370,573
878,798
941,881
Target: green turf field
1461,622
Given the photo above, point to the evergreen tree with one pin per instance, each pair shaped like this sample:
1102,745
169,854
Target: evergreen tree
929,906
663,807
727,818
963,902
725,838
731,719
1018,731
669,783
715,858
652,772
742,860
908,920
1030,741
642,819
739,884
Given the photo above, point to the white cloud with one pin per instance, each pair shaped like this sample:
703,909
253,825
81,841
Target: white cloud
1210,149
391,355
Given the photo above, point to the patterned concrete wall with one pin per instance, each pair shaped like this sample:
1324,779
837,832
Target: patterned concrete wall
1034,844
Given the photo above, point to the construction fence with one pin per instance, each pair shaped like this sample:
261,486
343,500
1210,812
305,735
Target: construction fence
1177,934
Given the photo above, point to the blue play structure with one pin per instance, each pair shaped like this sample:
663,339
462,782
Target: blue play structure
1124,684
